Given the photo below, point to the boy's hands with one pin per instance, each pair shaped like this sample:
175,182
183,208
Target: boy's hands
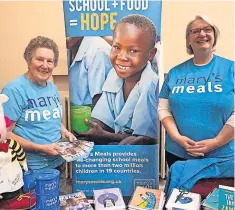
96,132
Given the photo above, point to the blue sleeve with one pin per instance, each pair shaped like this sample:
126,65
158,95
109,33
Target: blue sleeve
103,110
145,116
98,71
165,91
14,107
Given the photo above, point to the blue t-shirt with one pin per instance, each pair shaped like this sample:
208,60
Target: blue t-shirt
37,112
201,99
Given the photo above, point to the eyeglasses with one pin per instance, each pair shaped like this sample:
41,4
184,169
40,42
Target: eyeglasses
197,31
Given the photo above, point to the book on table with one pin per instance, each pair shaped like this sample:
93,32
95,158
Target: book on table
109,199
211,202
74,201
226,197
183,200
146,198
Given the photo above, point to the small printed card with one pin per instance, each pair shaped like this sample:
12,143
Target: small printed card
146,198
180,199
110,198
212,200
226,197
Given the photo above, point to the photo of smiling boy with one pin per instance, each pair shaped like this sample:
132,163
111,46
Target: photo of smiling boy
126,111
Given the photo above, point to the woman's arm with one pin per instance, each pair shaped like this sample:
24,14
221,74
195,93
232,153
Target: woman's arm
225,135
230,120
168,122
30,146
166,117
171,128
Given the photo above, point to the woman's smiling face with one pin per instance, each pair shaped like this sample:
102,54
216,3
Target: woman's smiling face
204,40
41,66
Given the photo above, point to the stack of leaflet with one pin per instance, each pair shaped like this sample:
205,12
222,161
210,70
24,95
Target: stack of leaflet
74,201
77,150
109,199
145,198
180,199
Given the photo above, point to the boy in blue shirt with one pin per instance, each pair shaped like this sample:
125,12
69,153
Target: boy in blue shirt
126,111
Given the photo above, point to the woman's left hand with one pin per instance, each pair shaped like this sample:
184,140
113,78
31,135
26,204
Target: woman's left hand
69,136
203,147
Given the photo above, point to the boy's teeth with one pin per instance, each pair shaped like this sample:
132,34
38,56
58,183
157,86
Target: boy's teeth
123,67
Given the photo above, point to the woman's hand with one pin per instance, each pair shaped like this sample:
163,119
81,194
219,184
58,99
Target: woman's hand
185,142
50,149
69,136
66,134
203,146
188,143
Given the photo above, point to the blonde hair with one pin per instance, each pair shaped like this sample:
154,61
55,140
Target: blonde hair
188,28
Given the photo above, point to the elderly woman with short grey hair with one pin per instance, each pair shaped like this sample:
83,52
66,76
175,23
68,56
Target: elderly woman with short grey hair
34,106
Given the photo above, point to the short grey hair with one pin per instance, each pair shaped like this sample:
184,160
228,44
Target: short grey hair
188,28
41,42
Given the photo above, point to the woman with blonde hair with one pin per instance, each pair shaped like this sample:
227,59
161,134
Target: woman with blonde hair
196,102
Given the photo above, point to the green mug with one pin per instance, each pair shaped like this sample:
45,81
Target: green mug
78,116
